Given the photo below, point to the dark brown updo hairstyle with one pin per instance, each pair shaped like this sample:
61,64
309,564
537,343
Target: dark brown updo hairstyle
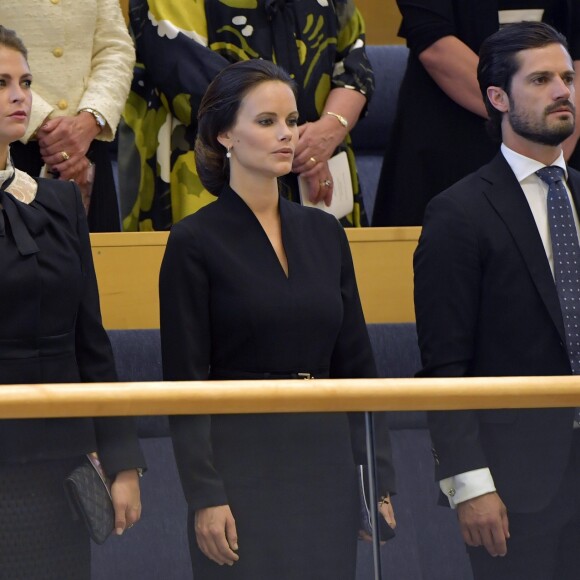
218,112
9,39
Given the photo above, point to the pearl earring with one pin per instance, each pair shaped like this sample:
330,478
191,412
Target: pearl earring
229,153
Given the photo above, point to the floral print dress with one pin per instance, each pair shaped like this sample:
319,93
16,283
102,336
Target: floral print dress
181,45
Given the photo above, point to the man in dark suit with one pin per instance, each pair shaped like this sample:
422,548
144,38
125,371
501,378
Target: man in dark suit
493,297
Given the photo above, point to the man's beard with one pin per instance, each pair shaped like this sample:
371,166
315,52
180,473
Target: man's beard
541,132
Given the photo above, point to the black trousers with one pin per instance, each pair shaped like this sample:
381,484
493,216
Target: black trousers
543,545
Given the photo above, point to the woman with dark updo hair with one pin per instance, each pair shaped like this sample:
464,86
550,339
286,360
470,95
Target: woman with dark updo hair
254,286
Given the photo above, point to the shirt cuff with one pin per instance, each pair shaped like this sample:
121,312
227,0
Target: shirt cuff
468,485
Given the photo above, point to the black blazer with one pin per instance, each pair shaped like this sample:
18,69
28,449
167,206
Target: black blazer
227,309
51,327
486,305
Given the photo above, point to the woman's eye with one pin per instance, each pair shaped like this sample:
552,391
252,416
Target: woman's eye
265,122
293,122
27,83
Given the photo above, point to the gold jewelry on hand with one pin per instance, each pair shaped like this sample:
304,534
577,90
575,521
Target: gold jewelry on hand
313,160
65,156
339,118
326,183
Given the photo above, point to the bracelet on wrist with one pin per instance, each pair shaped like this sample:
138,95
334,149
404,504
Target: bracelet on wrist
339,118
99,119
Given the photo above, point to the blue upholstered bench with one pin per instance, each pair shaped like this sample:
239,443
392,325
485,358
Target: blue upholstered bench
427,546
370,135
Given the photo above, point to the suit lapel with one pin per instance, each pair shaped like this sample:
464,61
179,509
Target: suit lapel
504,192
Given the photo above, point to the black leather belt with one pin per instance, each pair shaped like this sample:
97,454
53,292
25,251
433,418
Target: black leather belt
217,374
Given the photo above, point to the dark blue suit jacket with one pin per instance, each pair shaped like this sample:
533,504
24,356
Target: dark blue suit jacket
486,305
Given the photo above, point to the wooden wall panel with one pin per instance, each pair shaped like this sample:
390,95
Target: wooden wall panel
125,8
382,18
127,266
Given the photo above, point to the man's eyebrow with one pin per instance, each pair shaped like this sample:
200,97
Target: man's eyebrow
549,73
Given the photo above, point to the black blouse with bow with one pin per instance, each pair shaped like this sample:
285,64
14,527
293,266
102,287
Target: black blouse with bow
51,329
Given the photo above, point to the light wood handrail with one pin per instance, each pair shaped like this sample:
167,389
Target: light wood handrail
274,396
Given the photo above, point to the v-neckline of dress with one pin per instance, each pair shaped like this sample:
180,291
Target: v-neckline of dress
283,232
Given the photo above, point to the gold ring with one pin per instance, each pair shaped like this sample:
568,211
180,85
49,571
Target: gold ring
65,156
326,183
313,160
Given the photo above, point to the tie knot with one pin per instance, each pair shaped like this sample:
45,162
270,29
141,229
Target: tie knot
551,174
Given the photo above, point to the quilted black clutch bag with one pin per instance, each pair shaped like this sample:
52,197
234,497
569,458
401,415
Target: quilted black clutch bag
88,492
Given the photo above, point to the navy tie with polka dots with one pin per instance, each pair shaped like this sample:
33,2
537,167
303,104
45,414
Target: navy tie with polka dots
566,253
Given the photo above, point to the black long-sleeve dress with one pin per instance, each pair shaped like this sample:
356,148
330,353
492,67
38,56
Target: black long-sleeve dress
229,311
50,332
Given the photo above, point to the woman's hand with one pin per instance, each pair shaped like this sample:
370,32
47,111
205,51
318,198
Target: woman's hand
317,141
85,179
64,142
126,499
217,538
320,184
83,176
387,512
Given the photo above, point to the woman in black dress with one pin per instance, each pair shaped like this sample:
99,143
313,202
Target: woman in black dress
50,332
254,286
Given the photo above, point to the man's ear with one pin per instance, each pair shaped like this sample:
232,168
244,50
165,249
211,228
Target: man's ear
498,98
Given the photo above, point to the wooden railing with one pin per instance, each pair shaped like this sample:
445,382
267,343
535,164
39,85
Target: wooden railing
271,396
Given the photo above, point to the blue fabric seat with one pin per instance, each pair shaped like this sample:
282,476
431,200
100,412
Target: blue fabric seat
370,135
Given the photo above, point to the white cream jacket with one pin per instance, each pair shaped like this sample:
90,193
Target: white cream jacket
80,55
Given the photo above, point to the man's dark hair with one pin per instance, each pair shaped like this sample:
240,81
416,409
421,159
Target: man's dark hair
498,60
